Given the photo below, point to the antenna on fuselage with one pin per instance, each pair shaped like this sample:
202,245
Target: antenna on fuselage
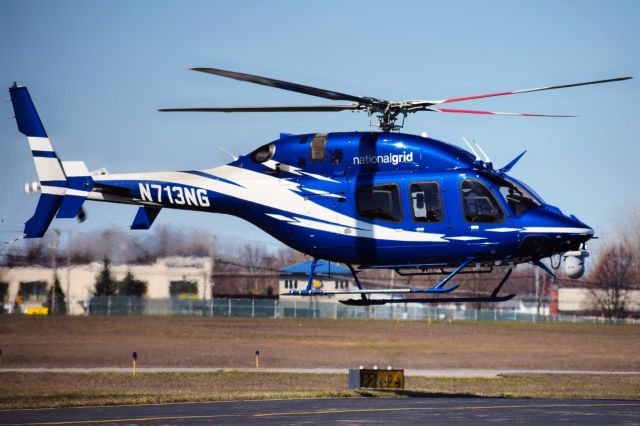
471,148
232,155
487,160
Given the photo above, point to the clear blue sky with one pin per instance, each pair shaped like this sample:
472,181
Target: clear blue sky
99,70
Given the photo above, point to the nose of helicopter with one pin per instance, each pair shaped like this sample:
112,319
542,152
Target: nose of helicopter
584,232
548,231
576,231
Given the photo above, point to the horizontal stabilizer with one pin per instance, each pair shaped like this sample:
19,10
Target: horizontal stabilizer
145,217
79,184
70,206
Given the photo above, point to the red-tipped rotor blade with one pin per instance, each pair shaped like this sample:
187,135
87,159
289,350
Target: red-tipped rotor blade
538,89
471,111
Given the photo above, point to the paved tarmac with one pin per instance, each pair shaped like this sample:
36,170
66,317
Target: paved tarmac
384,411
407,372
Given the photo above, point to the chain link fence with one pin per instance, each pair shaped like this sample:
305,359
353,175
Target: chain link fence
312,308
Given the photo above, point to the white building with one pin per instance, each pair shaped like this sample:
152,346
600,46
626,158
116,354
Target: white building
77,281
580,299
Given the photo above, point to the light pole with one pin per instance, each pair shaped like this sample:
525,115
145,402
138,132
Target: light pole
54,265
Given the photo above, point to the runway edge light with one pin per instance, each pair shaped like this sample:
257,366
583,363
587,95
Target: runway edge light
134,357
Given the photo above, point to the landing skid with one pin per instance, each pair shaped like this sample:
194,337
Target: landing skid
439,288
492,298
369,302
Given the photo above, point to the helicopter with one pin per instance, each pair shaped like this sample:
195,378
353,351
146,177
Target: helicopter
370,200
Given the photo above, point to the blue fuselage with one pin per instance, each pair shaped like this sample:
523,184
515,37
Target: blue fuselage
367,198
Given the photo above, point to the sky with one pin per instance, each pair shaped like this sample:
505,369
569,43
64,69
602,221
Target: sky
98,72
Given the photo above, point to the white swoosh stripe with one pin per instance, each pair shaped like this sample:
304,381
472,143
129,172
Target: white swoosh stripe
465,238
558,230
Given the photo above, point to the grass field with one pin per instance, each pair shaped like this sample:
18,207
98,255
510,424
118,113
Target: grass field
34,390
232,342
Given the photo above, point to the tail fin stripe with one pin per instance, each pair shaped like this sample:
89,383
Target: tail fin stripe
53,190
49,169
47,154
76,193
58,183
39,144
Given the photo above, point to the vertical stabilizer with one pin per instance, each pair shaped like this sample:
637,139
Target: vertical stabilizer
53,180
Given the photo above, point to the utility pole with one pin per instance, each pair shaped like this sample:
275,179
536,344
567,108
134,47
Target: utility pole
68,298
537,284
212,256
54,266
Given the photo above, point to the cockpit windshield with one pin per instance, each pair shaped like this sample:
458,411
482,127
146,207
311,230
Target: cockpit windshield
519,197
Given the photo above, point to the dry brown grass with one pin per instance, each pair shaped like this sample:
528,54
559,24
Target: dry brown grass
32,390
232,342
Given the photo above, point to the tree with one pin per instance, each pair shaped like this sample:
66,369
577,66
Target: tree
60,305
616,272
105,284
130,286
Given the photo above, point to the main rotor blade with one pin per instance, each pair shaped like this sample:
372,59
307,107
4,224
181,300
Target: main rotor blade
284,108
285,85
471,111
515,92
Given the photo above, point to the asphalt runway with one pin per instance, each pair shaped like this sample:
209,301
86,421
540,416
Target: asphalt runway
386,411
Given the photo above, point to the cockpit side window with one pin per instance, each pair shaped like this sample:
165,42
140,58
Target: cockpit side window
518,198
318,147
425,202
379,202
479,204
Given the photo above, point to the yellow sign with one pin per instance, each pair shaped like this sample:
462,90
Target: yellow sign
37,310
382,379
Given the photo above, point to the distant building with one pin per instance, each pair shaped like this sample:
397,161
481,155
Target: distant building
185,277
526,304
328,276
578,299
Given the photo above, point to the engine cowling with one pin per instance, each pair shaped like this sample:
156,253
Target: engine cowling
574,263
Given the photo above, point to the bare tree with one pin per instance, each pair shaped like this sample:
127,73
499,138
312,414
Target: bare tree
615,272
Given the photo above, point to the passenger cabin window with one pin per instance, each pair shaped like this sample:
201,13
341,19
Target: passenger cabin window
318,146
479,204
379,202
336,157
425,202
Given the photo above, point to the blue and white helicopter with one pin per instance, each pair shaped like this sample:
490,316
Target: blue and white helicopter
370,200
